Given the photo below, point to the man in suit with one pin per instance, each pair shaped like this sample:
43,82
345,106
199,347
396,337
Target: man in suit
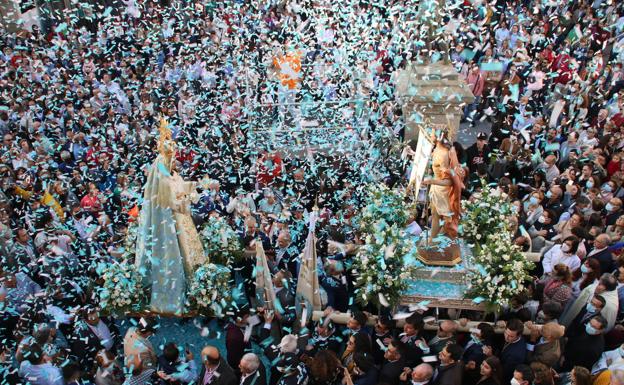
334,281
602,254
412,338
614,211
285,308
248,235
445,335
284,258
382,336
324,338
586,348
215,371
235,338
394,362
450,371
592,309
514,350
252,371
92,334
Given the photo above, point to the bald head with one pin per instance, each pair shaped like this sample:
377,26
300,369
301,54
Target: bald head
602,241
422,373
249,363
447,329
210,356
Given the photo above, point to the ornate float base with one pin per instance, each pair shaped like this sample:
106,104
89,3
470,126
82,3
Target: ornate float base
435,255
442,286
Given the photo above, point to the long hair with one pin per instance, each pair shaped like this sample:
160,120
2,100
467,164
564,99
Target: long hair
325,366
497,369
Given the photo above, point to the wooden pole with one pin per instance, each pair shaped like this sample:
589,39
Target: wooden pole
342,318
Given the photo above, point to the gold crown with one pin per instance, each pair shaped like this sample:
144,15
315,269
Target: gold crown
165,136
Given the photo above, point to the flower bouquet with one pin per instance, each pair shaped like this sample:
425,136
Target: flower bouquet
221,242
501,271
122,289
487,214
209,290
381,275
383,203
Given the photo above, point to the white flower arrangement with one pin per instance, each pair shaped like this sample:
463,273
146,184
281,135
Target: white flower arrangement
122,289
383,203
209,290
501,269
221,243
484,215
380,262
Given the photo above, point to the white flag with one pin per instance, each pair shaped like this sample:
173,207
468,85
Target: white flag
308,288
264,284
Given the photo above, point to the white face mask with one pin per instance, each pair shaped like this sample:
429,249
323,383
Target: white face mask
514,382
565,248
418,383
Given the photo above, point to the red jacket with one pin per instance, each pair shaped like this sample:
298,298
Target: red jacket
269,168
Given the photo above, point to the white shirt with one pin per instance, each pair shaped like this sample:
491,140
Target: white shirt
555,256
607,359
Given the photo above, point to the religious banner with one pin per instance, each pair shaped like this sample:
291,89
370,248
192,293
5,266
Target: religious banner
308,289
424,147
264,284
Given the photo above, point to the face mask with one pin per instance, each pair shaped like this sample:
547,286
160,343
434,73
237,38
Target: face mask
541,219
533,201
475,339
514,382
591,330
589,184
609,206
606,188
565,248
548,194
590,309
585,269
418,383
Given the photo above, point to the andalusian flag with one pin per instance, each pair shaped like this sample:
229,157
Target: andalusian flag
575,34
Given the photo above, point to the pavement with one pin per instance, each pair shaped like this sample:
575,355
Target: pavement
468,135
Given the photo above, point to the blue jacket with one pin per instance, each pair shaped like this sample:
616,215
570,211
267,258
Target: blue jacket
369,378
511,356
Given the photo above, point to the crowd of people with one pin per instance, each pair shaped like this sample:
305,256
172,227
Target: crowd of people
79,113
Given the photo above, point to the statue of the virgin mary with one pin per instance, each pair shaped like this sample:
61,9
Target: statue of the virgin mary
168,245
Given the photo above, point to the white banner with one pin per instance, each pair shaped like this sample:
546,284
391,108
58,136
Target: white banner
424,148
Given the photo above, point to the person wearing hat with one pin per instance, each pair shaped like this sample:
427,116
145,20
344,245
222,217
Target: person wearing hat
137,347
215,371
478,153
